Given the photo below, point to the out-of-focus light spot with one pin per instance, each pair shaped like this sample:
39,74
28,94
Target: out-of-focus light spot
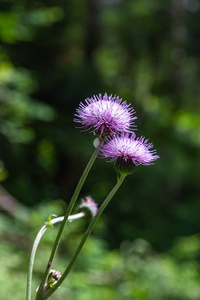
188,124
184,123
178,56
152,105
46,154
180,33
191,5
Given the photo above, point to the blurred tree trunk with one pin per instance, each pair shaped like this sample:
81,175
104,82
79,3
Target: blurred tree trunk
92,28
179,36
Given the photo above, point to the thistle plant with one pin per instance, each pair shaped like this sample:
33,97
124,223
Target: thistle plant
105,115
113,122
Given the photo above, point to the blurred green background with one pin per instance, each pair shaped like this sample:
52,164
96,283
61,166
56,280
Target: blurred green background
54,55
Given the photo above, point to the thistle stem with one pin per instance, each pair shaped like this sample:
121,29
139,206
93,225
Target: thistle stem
62,226
86,235
36,243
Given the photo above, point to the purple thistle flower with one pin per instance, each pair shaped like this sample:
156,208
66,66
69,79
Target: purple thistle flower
127,151
106,115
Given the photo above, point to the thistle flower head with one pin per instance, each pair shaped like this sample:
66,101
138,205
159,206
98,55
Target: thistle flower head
127,152
105,115
88,206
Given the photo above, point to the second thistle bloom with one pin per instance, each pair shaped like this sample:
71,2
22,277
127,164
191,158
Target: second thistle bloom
127,151
105,115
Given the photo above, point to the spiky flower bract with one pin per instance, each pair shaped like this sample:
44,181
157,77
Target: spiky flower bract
105,115
127,152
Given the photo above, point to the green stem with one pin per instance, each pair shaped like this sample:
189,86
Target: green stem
86,235
35,246
62,226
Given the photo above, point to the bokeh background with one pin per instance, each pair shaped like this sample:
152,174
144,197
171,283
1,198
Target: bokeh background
54,54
